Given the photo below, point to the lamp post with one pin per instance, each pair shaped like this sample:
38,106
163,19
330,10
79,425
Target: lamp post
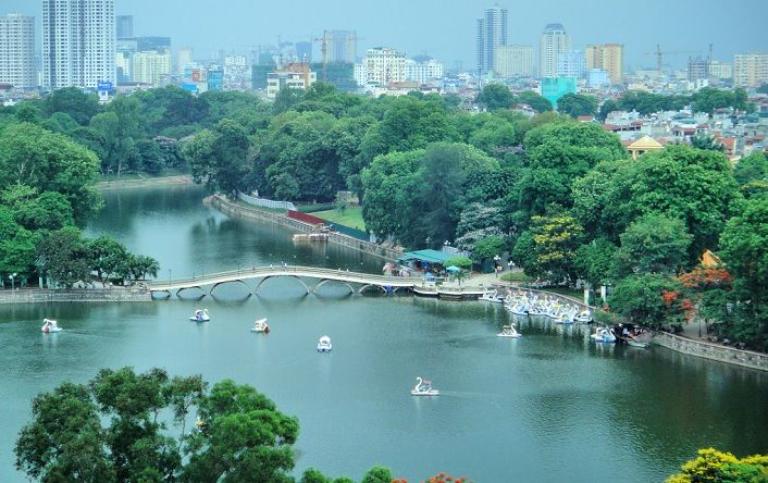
13,283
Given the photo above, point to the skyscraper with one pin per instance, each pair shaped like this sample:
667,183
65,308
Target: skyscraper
514,61
78,43
491,34
339,46
124,26
17,51
750,70
554,43
607,57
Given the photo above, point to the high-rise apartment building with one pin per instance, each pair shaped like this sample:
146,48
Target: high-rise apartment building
492,31
17,51
514,61
607,57
78,43
339,46
183,59
236,73
423,70
571,64
750,70
554,43
720,70
124,25
381,66
151,67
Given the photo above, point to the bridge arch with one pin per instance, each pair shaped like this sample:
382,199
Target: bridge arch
296,277
184,289
240,281
371,285
338,282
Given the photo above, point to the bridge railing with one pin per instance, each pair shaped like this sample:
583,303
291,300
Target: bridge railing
281,270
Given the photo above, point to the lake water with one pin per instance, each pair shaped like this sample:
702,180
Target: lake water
547,407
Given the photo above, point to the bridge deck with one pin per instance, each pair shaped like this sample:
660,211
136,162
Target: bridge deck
336,275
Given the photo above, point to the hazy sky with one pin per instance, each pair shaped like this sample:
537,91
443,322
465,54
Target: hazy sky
446,28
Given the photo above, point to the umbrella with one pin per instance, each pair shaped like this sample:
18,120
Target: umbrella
453,268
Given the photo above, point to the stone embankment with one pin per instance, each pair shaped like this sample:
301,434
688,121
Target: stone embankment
144,182
114,294
715,352
239,211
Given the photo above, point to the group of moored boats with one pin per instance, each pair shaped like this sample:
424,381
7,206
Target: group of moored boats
532,304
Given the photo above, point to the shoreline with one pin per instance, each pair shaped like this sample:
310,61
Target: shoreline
145,182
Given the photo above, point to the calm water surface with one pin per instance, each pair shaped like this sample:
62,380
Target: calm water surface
547,407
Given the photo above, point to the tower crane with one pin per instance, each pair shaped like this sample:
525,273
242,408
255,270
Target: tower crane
661,54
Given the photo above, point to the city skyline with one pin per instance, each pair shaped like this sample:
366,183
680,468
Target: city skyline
447,33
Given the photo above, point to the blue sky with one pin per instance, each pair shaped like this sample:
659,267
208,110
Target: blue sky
446,28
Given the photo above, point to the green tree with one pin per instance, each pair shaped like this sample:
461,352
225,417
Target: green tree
652,300
74,102
576,105
713,466
744,250
751,168
495,96
548,248
594,261
47,211
606,108
220,157
654,243
46,161
707,143
17,245
106,256
488,247
378,474
64,256
535,101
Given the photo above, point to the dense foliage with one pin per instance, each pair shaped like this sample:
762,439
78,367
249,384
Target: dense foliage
138,427
713,466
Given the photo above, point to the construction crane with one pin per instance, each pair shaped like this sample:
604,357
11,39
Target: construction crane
352,38
660,55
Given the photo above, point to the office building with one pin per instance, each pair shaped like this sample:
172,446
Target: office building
492,31
236,73
513,61
151,67
124,25
607,57
381,66
571,64
423,70
339,46
554,43
158,44
292,76
698,69
183,59
750,70
720,70
78,43
215,78
17,51
598,79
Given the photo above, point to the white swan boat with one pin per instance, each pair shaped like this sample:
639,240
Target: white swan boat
261,326
424,388
324,344
200,316
604,334
492,296
509,331
584,317
50,326
519,309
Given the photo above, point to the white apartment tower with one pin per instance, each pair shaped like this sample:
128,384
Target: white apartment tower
382,66
554,44
78,43
514,61
17,51
492,32
750,70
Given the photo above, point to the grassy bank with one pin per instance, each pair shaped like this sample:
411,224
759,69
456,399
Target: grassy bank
352,217
143,180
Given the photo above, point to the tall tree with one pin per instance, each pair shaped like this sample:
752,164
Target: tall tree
495,96
576,105
654,243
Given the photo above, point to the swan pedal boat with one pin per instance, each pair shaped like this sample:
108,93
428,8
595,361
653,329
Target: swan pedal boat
324,344
492,296
604,335
509,331
50,326
200,316
260,326
424,388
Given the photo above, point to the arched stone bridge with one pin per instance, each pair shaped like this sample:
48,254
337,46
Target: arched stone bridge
356,282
